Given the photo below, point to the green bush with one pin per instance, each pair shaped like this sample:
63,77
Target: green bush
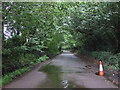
118,56
42,58
101,55
27,59
110,59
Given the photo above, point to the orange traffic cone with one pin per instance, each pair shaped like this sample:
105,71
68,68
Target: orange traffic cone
101,72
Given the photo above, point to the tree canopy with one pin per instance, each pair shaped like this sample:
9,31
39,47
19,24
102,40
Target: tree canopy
44,28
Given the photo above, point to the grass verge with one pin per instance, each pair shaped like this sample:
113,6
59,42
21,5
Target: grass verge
12,75
7,78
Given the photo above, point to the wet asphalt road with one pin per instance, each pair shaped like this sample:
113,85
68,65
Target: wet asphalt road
73,69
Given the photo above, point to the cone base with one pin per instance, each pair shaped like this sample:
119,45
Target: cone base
101,73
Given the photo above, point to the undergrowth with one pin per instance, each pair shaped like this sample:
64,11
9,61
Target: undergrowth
12,75
111,60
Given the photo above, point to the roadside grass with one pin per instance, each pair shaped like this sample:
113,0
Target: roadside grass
7,78
11,76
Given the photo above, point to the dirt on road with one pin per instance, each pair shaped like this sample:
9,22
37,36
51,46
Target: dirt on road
73,73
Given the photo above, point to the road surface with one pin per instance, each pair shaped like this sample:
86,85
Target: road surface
73,71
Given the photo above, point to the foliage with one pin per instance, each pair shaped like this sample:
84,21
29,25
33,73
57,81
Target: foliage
34,29
23,41
95,26
10,76
101,55
42,58
111,60
26,59
16,61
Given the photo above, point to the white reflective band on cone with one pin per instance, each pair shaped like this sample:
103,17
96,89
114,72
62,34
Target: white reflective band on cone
101,68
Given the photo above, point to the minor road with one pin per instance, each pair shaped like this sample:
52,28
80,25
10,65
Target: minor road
74,70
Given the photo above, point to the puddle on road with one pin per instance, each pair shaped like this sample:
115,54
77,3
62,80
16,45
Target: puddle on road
54,78
53,75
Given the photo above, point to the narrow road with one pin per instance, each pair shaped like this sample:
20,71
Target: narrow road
73,70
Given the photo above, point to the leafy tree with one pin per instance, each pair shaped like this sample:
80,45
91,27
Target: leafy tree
34,29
